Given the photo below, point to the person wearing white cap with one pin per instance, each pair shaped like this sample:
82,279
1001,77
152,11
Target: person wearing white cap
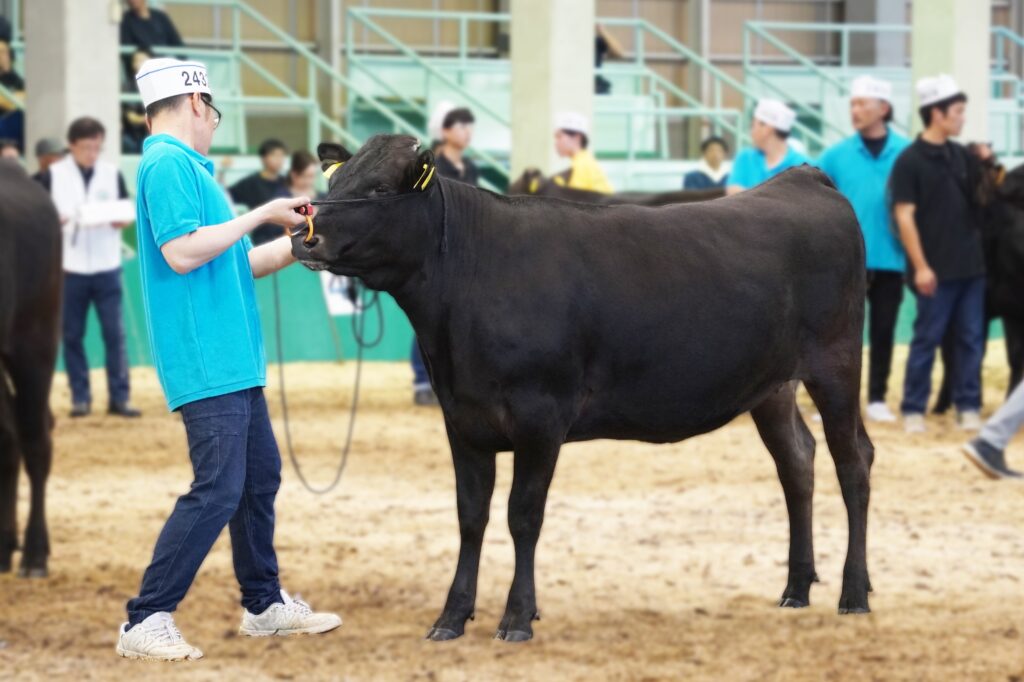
932,188
197,266
771,153
572,132
860,166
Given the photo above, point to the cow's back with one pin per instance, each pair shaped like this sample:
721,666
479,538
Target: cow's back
624,304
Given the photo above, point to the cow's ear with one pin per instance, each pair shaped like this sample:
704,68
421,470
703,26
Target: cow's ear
331,153
423,170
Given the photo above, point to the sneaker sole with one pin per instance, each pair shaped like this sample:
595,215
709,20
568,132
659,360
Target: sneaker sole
139,656
977,460
319,630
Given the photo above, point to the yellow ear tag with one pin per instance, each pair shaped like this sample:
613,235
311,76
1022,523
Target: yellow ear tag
429,175
559,180
416,184
330,169
534,186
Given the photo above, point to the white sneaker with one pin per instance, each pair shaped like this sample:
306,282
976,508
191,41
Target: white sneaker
156,638
293,617
880,412
914,423
969,420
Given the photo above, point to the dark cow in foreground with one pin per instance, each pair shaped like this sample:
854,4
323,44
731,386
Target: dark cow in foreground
30,290
543,321
533,182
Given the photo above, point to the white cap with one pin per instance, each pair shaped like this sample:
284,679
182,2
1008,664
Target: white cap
165,77
871,87
573,122
776,114
436,122
935,89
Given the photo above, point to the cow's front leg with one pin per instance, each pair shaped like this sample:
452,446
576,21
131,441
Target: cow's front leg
9,463
532,472
474,484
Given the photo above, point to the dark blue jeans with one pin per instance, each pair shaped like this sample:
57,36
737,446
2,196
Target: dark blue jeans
237,469
958,305
420,379
104,291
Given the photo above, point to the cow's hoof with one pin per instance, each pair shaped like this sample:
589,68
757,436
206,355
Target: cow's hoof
513,635
793,603
37,572
851,610
442,634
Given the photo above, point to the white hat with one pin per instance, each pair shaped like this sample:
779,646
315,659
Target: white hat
573,122
871,87
776,114
161,78
436,122
935,89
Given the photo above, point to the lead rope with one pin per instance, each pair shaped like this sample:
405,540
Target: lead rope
358,330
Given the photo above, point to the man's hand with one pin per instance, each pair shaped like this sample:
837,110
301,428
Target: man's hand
925,281
282,211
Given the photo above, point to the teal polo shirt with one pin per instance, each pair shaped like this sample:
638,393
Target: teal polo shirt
749,168
204,326
863,180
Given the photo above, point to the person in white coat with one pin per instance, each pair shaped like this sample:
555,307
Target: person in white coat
85,190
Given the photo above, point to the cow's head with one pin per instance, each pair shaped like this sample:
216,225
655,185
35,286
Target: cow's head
376,219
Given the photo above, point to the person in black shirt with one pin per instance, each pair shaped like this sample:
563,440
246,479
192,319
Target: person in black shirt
145,27
456,134
936,209
259,188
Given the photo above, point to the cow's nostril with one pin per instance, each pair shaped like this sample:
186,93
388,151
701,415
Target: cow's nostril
311,242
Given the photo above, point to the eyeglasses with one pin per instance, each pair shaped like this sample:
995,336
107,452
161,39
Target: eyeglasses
216,111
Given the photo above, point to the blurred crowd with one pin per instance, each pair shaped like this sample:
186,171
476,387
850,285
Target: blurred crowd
937,218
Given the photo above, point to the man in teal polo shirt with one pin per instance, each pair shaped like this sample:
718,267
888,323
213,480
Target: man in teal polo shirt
860,167
771,153
197,265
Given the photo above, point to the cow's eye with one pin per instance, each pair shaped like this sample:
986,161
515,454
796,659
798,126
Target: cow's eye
381,189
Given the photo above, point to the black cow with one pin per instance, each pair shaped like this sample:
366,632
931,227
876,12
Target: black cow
543,321
30,293
533,182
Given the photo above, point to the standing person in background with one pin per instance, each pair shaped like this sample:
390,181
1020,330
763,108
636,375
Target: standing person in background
711,171
938,221
49,150
92,265
302,174
144,27
454,128
266,184
987,451
9,78
860,166
771,153
456,135
572,132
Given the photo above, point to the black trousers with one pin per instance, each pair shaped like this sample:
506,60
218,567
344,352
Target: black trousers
885,294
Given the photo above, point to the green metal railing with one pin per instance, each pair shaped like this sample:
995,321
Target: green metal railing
713,107
829,85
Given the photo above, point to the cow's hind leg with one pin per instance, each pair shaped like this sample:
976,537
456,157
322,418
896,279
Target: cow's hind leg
533,470
9,469
32,375
474,483
792,446
835,388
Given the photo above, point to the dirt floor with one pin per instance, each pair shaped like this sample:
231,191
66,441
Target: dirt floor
656,562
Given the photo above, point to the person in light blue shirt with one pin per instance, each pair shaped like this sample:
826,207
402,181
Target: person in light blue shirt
771,153
860,166
197,265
